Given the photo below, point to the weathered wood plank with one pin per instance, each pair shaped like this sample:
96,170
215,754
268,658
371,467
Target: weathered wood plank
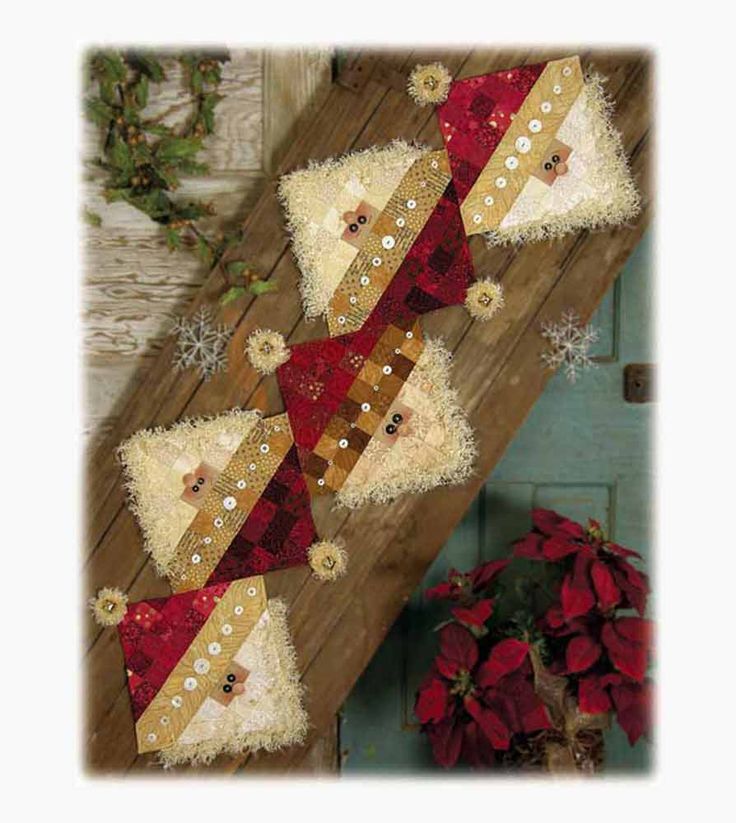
337,628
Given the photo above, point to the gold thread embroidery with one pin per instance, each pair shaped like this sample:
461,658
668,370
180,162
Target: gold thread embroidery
401,221
559,84
171,710
241,484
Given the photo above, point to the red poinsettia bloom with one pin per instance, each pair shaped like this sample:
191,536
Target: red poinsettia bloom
631,701
460,585
601,576
475,709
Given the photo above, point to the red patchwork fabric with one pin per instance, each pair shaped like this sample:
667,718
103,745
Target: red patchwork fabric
435,273
279,530
477,114
155,634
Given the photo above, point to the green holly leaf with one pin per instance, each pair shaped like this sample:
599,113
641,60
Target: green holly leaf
111,66
236,267
140,90
159,129
119,156
233,293
259,287
98,112
173,239
91,218
204,250
147,65
207,111
172,149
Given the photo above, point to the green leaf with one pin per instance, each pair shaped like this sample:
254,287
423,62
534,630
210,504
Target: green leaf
173,239
154,203
146,65
119,156
204,251
141,91
98,112
111,65
196,81
232,294
192,167
207,111
236,267
262,287
92,218
171,149
159,129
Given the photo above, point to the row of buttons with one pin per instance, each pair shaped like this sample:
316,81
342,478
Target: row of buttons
201,666
523,144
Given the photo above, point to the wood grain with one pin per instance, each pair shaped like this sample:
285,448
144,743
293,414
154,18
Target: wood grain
133,286
337,627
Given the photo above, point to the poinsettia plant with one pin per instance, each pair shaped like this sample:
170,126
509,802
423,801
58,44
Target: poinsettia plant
540,651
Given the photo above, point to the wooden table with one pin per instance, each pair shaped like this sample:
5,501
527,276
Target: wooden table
337,627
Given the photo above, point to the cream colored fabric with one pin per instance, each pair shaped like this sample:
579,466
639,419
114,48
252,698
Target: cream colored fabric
314,200
439,449
155,462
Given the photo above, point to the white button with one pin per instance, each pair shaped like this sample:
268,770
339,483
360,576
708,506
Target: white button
227,629
190,684
375,388
388,242
557,89
535,126
277,428
500,182
397,351
341,319
252,467
387,369
423,184
434,164
546,107
477,218
151,738
488,200
511,163
523,144
400,222
201,666
342,443
353,299
409,335
196,558
241,484
411,204
376,261
218,522
567,71
238,610
364,281
229,503
320,482
366,407
207,540
164,720
252,591
214,648
176,701
265,449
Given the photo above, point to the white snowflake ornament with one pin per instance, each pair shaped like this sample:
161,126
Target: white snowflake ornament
570,344
201,344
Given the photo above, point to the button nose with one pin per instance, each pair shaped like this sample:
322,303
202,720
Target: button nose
560,169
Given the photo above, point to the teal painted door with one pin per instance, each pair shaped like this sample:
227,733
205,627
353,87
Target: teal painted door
583,451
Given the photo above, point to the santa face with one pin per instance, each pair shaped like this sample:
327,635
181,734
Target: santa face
358,224
231,685
198,483
554,163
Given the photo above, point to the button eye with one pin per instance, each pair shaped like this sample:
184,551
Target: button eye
397,418
548,166
362,219
390,429
231,678
227,688
555,158
195,488
353,227
200,480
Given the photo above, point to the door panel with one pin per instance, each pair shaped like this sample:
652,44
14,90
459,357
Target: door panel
583,451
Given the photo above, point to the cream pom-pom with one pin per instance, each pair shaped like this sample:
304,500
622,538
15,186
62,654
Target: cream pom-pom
484,299
328,560
109,606
266,350
429,84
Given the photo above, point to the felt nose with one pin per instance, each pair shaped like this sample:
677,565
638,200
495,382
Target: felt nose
560,169
238,688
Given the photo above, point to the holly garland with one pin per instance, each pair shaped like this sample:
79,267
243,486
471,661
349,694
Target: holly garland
541,649
145,159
